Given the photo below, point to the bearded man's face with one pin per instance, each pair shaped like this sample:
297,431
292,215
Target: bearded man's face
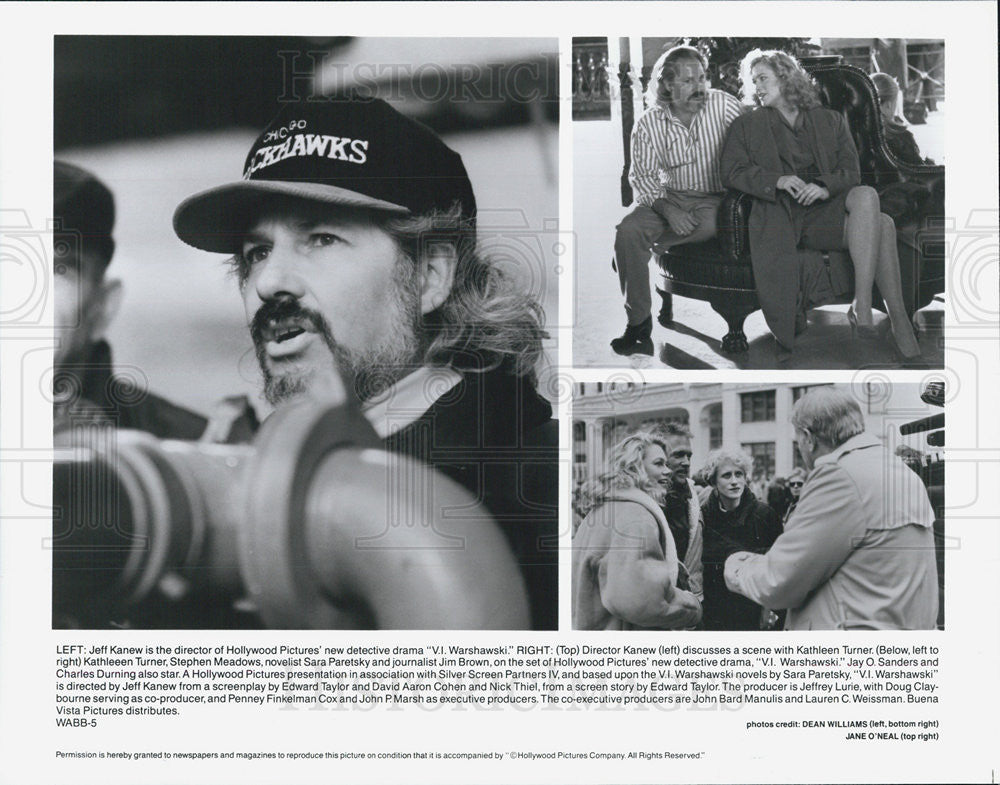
326,288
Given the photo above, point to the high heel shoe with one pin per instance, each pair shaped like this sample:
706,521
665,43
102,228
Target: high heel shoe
911,362
864,332
915,361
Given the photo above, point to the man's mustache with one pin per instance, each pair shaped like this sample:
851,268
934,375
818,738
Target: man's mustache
285,309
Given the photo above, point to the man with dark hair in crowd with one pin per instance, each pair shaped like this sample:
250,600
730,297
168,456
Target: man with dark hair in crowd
778,497
795,482
675,180
682,505
354,241
85,387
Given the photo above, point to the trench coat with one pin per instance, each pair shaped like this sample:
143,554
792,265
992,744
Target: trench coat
858,551
752,163
625,562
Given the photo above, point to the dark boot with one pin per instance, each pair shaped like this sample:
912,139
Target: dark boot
637,339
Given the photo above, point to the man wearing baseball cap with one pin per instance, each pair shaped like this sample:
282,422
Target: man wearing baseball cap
353,238
85,387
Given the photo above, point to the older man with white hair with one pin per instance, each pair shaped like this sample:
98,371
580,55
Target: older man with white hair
858,551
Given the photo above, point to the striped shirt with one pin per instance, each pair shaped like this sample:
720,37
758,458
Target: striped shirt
667,156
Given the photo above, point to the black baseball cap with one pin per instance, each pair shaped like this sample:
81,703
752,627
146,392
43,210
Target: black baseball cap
84,211
346,150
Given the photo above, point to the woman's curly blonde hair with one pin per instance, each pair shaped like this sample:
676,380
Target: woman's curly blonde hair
625,469
797,87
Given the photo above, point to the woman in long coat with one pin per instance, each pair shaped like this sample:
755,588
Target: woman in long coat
798,160
626,574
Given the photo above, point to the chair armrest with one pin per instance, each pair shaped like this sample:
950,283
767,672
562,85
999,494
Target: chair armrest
732,221
917,197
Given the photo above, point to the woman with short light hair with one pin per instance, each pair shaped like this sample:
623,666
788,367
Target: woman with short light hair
733,521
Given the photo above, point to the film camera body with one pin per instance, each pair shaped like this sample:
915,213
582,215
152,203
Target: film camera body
313,526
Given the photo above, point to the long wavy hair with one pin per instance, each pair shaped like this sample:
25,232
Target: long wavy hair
489,320
666,67
625,470
797,87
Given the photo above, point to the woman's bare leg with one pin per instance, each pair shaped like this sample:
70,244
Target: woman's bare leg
862,235
887,277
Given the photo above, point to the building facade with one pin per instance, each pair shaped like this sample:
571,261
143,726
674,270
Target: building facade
751,417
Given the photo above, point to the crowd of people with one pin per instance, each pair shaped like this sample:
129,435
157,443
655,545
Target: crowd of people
359,269
847,544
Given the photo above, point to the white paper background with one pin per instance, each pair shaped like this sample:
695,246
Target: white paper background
967,750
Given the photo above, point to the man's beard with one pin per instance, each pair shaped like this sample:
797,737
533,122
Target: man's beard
374,369
695,102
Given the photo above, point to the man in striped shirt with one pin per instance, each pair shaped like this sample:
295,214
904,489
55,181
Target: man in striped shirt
675,178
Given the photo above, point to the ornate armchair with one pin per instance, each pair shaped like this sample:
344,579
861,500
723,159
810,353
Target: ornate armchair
719,271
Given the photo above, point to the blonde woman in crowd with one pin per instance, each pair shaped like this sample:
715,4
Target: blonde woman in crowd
626,574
